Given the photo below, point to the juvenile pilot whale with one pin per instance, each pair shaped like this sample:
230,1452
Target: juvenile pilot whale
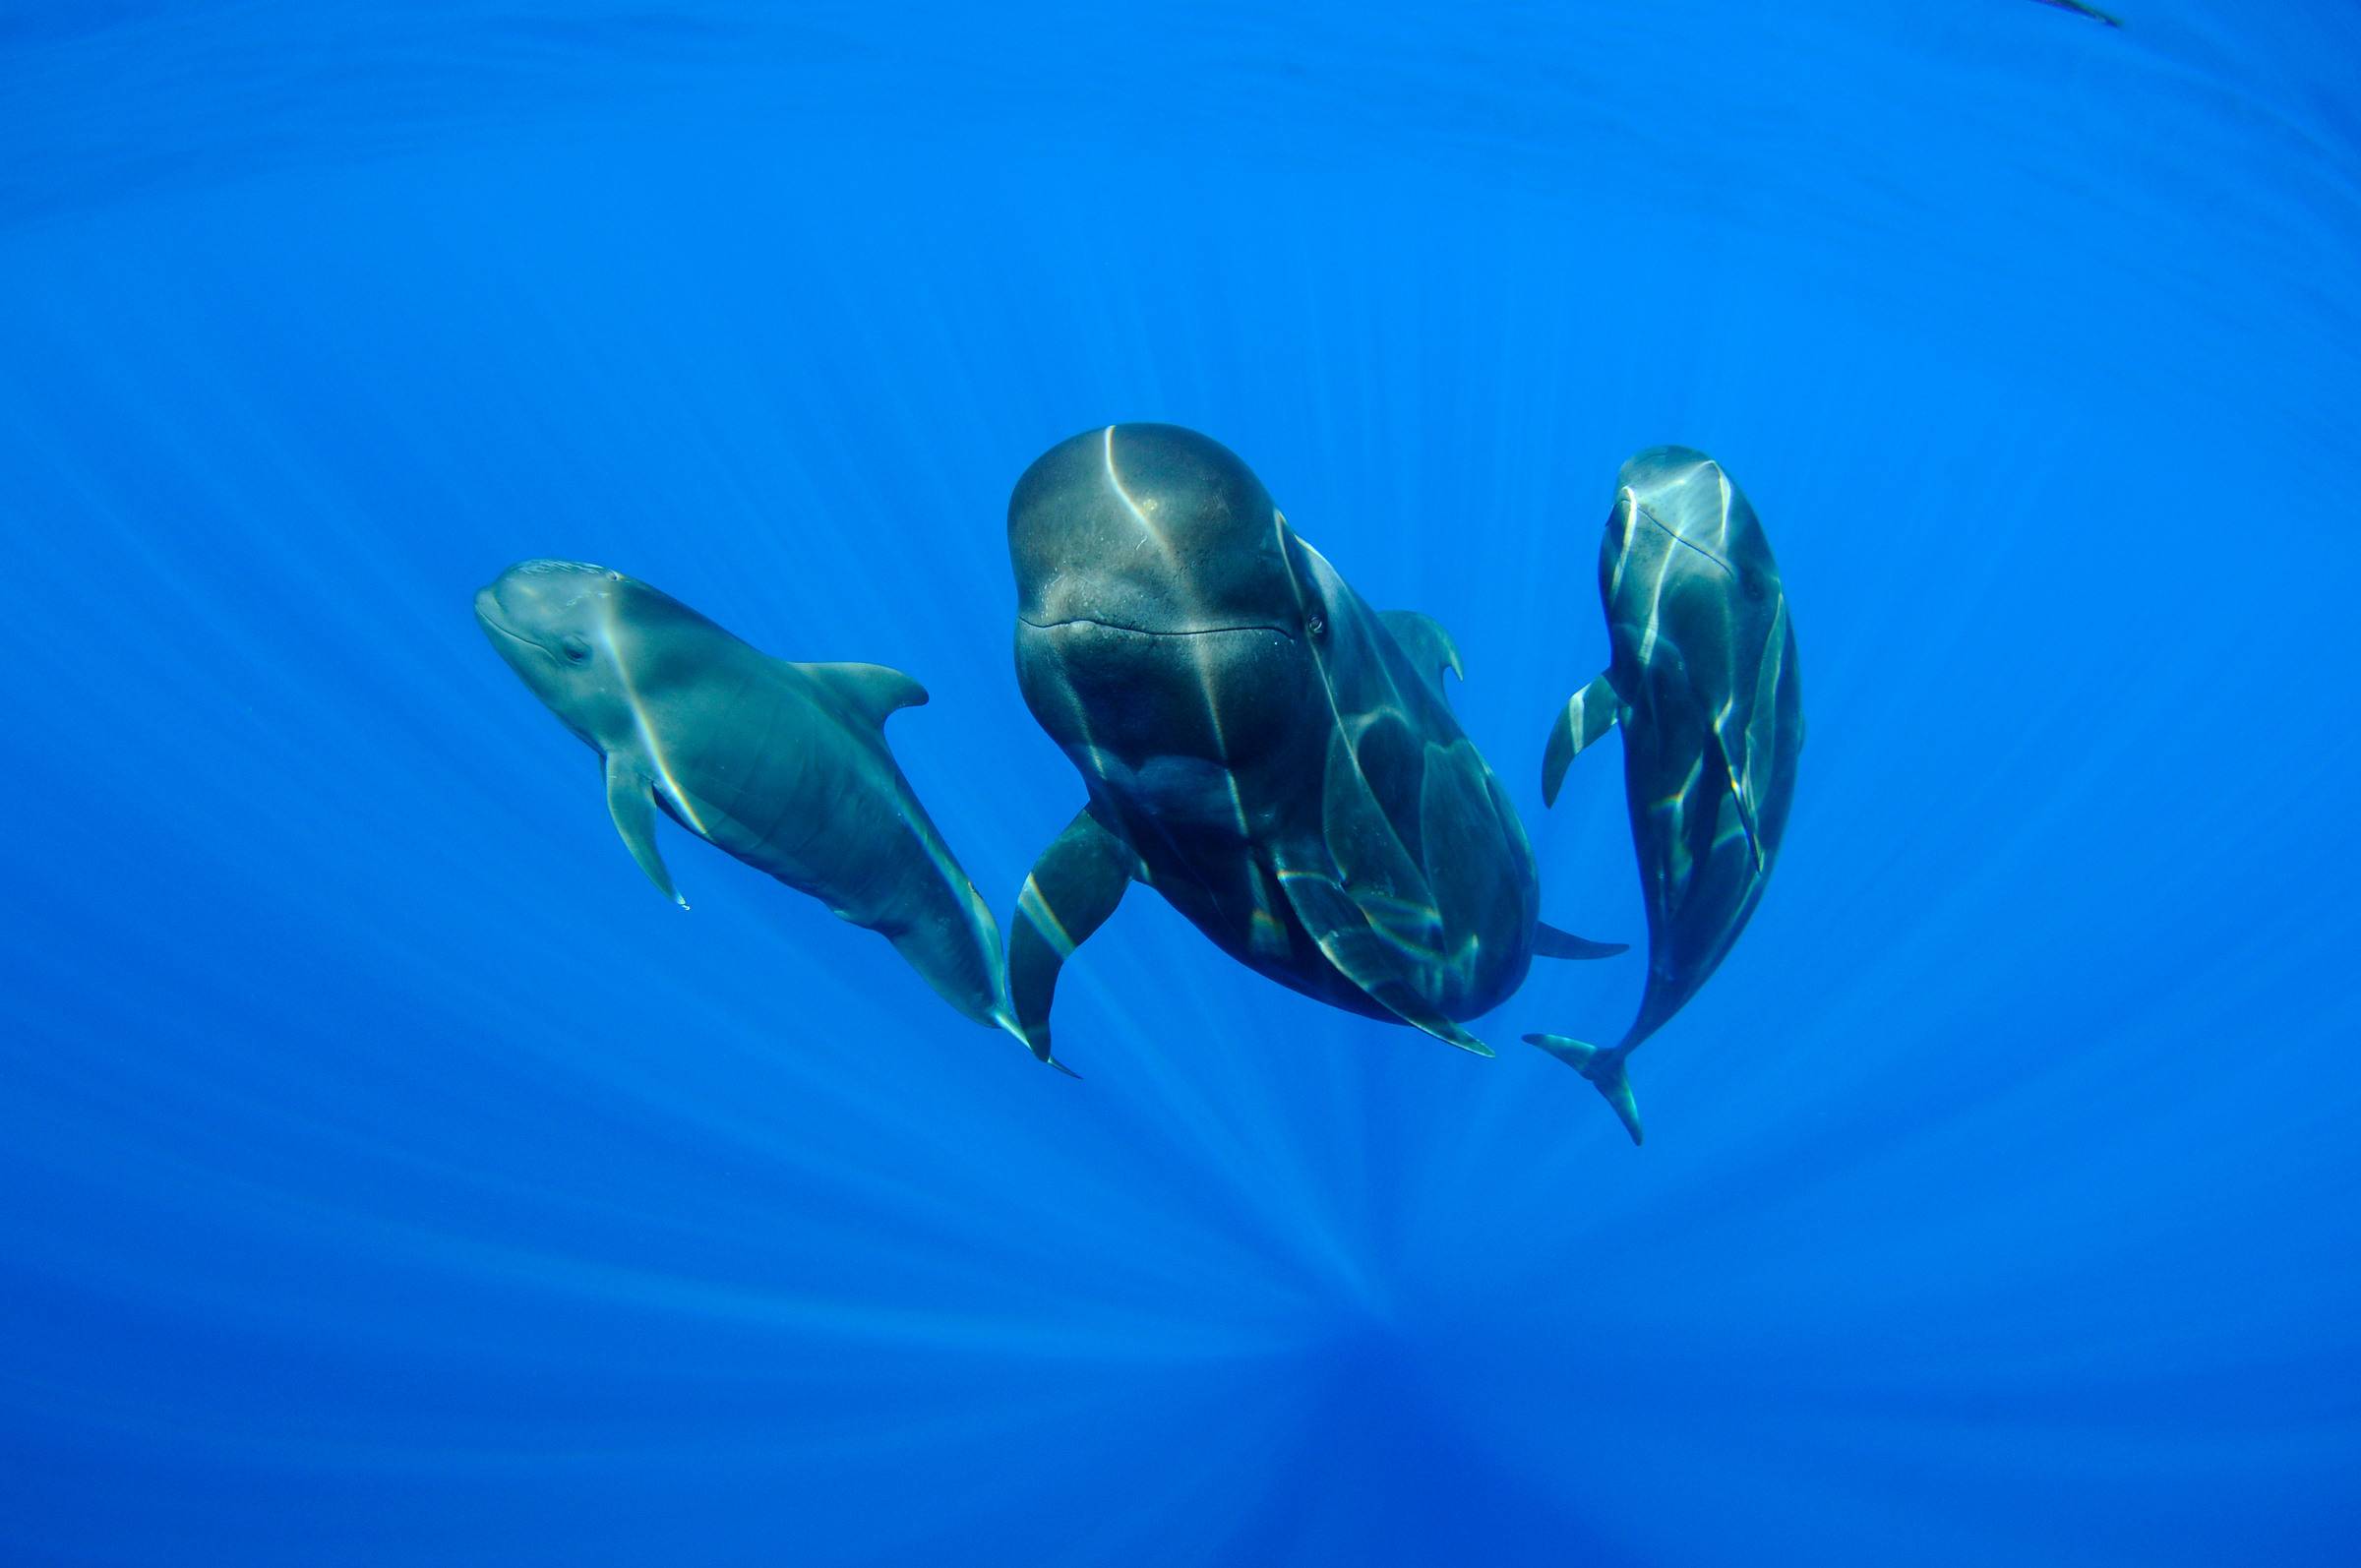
1704,681
1273,757
784,765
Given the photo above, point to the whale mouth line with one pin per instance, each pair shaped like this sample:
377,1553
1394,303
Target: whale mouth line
521,640
1675,535
1143,631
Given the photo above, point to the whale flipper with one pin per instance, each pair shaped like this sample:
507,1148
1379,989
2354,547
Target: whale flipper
1551,943
1752,761
1074,887
1429,646
1604,1070
1722,759
871,690
1342,929
1372,867
1589,713
633,809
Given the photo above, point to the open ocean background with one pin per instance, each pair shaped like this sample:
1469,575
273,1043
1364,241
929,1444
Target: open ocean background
389,1175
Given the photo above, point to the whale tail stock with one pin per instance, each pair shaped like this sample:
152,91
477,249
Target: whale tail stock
1604,1070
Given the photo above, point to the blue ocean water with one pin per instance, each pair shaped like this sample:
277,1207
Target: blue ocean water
389,1175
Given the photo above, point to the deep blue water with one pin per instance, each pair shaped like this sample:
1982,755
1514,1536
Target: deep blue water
389,1175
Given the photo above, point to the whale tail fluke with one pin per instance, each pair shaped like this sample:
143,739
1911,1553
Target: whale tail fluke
1604,1070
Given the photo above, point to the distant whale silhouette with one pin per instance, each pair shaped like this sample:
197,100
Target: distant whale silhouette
784,765
1274,757
1704,681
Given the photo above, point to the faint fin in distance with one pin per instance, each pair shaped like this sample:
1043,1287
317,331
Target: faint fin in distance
1604,1070
634,812
1551,943
2092,12
1588,714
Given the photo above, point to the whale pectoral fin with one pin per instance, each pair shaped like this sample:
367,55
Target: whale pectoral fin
1551,943
1074,887
1604,1070
871,690
1740,795
1428,644
1367,856
1363,958
631,804
1588,714
1754,762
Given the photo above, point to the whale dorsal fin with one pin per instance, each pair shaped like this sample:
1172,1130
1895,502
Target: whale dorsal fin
869,690
1428,645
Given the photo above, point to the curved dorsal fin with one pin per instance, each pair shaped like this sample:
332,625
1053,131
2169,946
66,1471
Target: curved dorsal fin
871,690
1429,646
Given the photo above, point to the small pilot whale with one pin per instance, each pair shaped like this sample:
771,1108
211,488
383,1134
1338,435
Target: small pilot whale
1273,757
784,765
1704,681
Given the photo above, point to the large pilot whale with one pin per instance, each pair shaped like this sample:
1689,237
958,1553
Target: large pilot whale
784,765
1703,679
1273,757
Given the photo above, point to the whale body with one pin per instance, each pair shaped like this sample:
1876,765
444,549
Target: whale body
1704,685
784,765
1260,747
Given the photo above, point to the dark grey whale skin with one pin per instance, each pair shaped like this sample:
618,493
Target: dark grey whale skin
1258,746
1705,682
784,765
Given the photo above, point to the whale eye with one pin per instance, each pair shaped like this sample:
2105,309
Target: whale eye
576,651
1315,625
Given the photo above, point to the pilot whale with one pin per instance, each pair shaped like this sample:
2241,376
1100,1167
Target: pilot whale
1704,680
1258,746
784,765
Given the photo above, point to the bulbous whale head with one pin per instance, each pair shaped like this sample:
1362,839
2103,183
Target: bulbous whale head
586,641
1149,528
1162,610
1680,523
